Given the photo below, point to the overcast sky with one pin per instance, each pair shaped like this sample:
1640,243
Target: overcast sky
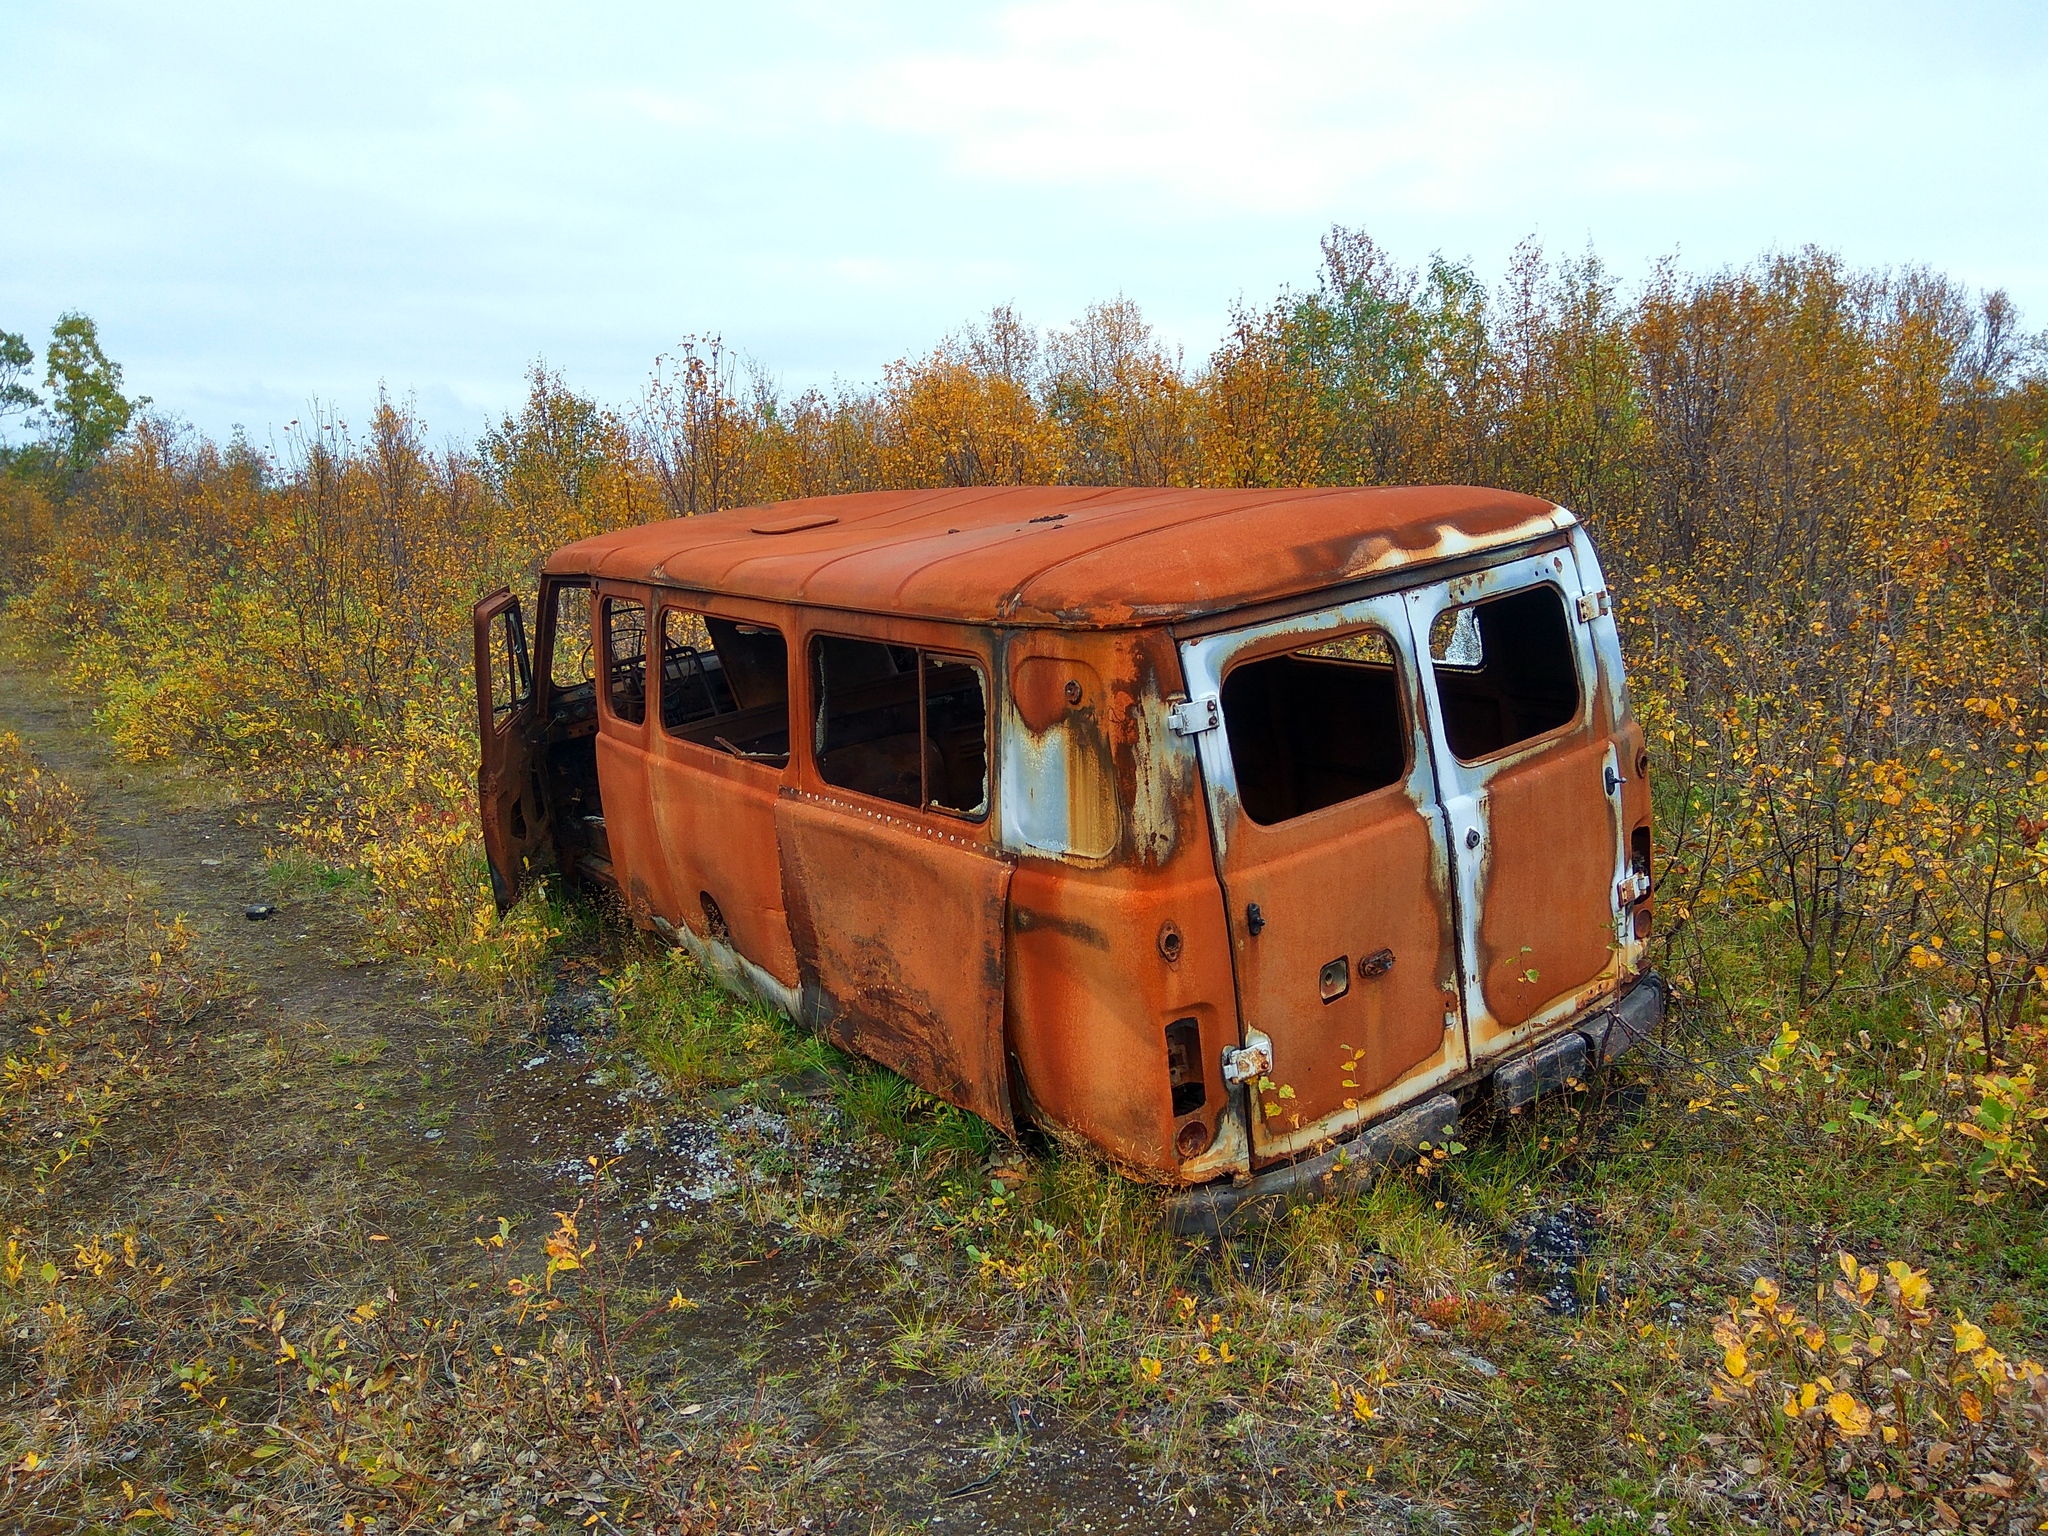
261,204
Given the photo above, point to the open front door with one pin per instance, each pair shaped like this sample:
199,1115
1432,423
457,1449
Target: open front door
1331,848
1530,776
509,798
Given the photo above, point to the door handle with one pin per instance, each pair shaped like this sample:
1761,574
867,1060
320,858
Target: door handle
1613,779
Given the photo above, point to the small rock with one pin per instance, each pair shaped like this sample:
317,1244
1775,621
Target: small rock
258,911
434,1135
1478,1365
1423,1330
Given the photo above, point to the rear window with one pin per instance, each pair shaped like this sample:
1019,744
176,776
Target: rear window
1505,671
1315,727
901,724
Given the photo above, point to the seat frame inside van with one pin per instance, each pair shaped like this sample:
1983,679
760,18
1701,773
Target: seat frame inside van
1209,829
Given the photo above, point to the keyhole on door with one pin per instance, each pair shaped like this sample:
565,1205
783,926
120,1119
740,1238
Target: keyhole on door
1472,837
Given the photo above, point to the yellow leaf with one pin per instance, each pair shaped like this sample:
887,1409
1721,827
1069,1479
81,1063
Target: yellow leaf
1972,1409
1912,1283
1850,1416
1736,1362
1969,1337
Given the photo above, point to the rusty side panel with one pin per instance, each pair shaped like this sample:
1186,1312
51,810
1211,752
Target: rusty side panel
898,931
715,814
716,820
1107,954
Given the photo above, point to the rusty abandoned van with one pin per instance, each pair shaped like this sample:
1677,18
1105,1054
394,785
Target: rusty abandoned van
1239,835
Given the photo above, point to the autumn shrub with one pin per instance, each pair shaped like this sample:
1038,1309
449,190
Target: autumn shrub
1879,1396
38,810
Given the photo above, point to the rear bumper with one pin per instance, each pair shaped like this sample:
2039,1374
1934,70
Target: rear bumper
1590,1043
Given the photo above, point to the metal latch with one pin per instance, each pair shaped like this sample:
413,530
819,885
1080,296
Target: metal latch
1191,717
1250,1061
1631,889
1592,605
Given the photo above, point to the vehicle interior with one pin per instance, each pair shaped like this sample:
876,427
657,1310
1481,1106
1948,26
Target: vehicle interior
570,753
725,686
901,724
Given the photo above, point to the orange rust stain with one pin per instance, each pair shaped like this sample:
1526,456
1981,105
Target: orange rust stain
899,945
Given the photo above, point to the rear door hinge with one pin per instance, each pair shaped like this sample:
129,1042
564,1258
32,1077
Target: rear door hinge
1592,605
1191,717
1250,1061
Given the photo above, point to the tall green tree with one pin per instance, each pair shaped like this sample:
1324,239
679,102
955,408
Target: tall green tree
16,357
87,409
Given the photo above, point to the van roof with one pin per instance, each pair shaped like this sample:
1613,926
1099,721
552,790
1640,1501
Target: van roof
1085,557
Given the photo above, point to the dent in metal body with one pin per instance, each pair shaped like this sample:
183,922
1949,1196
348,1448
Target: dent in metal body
732,970
914,982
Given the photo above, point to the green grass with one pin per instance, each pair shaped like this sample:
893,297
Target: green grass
695,1036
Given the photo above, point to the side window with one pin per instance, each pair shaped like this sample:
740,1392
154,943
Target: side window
725,685
625,658
1315,727
901,724
511,671
1505,671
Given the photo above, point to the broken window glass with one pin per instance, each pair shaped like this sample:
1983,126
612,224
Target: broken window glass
625,651
725,685
1505,671
1315,727
901,724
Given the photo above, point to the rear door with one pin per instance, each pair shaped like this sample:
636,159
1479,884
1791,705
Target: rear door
1335,871
509,800
1530,784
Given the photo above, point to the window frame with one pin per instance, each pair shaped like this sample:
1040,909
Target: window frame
509,625
1407,701
605,598
667,602
900,640
1578,654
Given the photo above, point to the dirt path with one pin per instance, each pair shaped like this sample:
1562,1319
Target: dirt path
376,1079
